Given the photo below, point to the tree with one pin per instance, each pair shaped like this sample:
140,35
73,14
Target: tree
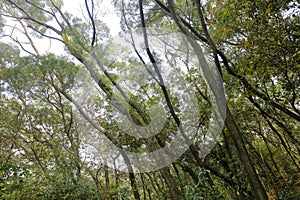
254,46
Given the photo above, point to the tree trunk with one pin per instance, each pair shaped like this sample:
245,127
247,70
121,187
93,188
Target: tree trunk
257,187
174,191
106,182
134,186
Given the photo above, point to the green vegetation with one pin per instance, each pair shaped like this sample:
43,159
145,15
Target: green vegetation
254,45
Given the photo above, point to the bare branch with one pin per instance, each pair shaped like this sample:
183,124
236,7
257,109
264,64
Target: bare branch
133,43
61,14
30,18
207,35
29,38
78,106
47,36
91,13
160,78
21,45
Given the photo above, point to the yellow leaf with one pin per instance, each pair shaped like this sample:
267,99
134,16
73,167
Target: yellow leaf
268,10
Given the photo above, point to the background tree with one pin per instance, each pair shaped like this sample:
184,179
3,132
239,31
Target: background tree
255,46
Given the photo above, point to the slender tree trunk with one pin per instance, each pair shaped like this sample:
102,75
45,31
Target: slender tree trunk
106,173
174,191
257,187
134,186
144,186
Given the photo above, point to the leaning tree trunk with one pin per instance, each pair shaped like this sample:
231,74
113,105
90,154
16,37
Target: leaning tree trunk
257,187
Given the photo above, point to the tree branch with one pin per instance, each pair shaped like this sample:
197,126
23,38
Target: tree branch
90,13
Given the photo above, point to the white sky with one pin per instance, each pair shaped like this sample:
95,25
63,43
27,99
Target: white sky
77,8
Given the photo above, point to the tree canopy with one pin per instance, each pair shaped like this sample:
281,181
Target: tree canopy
226,71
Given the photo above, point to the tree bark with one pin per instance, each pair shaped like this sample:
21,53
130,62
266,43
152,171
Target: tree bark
174,191
257,187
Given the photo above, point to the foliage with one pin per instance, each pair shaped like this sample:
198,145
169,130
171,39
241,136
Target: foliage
255,45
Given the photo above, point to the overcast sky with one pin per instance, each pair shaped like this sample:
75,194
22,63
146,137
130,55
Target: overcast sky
77,8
